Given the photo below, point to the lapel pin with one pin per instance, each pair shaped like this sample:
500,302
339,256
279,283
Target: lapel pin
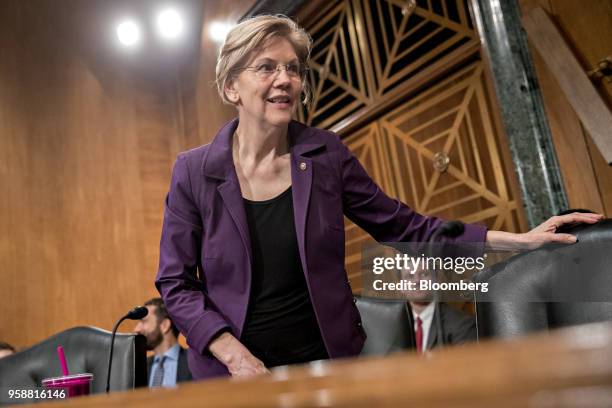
302,166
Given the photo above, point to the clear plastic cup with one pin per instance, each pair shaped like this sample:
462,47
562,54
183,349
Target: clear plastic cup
75,384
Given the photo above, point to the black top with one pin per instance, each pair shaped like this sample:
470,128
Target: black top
281,326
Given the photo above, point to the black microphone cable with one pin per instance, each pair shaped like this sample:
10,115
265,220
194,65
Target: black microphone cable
136,313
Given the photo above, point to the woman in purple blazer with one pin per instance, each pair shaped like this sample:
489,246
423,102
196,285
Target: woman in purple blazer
252,249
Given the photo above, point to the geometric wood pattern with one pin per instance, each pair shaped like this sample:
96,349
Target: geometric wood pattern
363,49
453,117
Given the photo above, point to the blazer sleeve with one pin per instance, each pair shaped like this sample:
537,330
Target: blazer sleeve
387,219
177,279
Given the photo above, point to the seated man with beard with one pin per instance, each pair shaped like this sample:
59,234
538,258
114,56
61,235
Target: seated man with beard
168,365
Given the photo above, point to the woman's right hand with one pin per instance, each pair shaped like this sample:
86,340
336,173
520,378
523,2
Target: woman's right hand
236,357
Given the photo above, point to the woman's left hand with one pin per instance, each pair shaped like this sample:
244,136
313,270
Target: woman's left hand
542,234
546,232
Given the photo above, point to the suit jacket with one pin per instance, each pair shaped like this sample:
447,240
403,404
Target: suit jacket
204,271
458,327
182,368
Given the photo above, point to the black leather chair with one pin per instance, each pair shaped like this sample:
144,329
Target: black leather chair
387,324
86,350
554,286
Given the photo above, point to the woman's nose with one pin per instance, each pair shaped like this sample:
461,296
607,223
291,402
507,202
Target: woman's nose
282,76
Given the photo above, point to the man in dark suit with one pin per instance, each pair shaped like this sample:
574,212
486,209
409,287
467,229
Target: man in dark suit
457,326
168,365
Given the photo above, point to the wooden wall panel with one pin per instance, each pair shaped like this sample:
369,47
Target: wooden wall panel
83,196
88,136
211,112
587,27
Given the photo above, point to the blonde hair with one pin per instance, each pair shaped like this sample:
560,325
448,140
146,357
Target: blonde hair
252,35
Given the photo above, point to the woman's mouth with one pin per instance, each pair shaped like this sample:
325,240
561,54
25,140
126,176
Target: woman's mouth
281,101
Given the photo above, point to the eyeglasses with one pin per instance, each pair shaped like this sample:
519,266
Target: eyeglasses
267,70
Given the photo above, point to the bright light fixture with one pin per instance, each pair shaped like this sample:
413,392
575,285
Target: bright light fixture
128,33
218,31
170,24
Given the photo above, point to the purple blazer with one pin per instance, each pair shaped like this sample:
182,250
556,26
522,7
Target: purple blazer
204,272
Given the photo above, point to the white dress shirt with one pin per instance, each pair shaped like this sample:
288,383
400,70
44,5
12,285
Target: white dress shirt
426,317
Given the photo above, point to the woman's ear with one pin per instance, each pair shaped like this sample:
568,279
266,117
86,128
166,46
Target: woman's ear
231,92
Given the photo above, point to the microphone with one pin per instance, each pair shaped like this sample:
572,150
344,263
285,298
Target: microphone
451,229
136,313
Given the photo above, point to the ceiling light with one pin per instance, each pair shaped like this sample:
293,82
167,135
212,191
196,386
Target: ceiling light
169,24
128,33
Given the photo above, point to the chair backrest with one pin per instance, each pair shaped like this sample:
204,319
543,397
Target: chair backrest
554,286
387,325
86,350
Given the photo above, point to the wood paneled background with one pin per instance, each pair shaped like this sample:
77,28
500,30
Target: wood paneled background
88,136
587,29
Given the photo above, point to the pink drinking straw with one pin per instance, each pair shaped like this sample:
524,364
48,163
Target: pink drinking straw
62,359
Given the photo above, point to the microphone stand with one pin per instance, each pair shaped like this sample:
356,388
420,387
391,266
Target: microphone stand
136,313
110,355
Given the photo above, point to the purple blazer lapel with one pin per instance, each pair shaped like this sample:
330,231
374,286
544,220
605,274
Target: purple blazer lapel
301,180
219,165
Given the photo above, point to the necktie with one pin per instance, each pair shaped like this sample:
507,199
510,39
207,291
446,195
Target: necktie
158,374
419,335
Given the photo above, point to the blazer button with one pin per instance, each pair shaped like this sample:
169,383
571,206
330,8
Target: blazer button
359,324
355,300
303,166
